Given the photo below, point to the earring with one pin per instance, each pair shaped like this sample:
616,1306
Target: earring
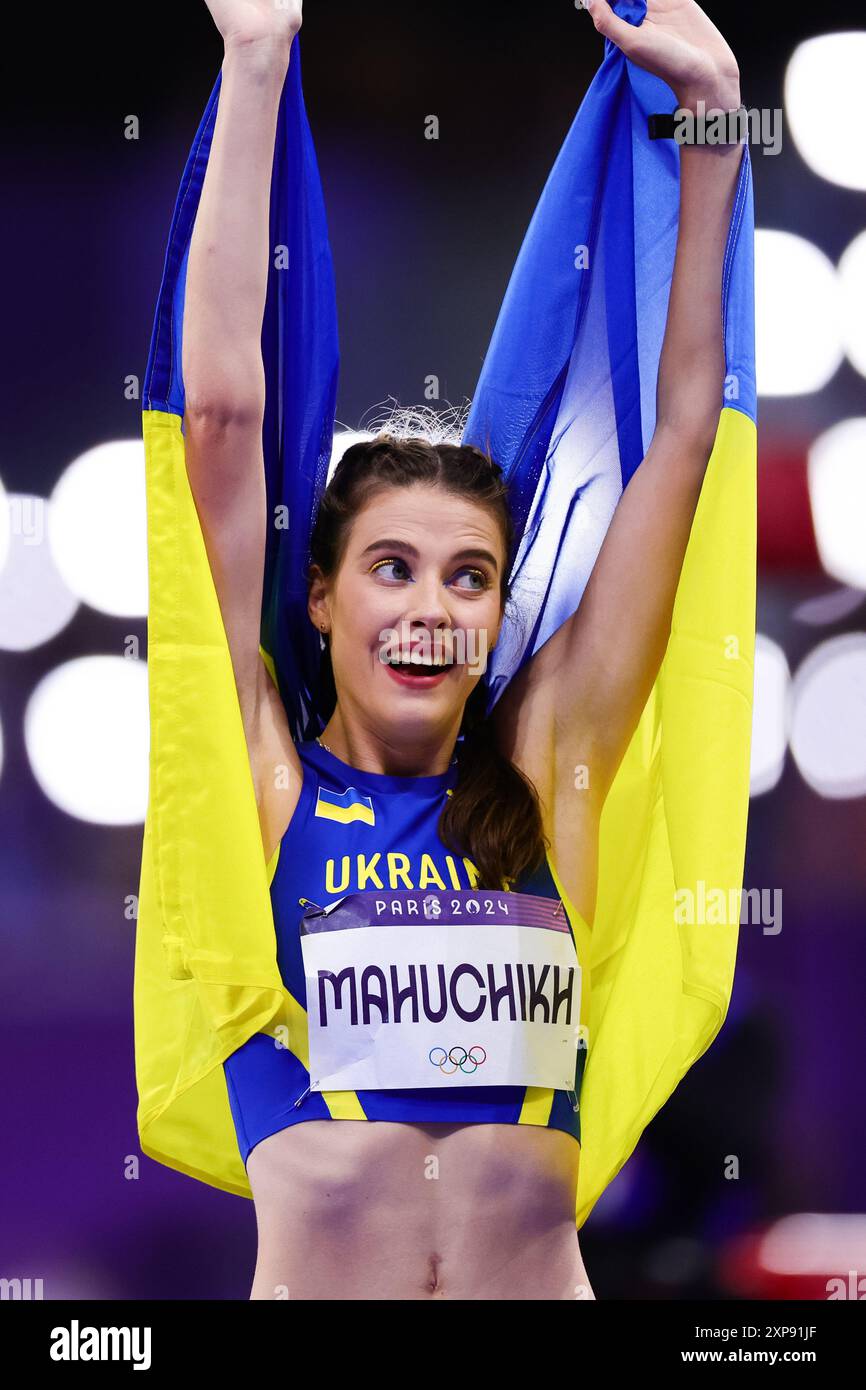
322,643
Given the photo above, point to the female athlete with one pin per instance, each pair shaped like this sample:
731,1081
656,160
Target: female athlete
411,555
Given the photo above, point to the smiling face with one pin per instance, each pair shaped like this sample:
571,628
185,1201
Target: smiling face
420,577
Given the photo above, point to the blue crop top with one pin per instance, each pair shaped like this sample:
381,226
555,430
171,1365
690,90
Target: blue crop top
354,831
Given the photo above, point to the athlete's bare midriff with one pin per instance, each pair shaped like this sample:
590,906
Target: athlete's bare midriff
357,1209
353,1209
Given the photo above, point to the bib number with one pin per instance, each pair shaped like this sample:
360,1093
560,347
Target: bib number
438,988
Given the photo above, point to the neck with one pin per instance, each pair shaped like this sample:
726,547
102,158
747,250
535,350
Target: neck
369,753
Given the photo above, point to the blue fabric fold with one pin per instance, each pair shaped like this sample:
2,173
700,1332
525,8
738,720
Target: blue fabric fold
566,399
300,353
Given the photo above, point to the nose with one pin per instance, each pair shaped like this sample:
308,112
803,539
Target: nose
429,613
429,608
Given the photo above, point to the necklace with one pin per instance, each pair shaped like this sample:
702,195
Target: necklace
324,745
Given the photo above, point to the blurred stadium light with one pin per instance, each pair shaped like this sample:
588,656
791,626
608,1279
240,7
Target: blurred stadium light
824,105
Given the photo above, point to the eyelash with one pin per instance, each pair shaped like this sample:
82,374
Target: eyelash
467,569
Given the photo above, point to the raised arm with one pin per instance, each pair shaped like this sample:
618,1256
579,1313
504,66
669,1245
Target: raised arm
587,692
223,372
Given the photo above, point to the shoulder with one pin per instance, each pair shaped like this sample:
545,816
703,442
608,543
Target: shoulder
273,735
525,727
555,752
278,773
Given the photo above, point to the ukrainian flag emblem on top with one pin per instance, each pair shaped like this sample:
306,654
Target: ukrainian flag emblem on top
345,807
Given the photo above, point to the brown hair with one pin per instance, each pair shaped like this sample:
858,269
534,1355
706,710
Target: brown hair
493,815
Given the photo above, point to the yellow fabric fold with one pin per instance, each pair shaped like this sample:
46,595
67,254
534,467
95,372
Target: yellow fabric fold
206,974
675,817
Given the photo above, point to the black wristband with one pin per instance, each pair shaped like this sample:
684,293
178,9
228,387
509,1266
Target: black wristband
662,126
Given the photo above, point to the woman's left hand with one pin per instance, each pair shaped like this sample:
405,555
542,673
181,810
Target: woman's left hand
678,43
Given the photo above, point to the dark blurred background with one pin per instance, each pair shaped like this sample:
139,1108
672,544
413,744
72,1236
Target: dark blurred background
424,235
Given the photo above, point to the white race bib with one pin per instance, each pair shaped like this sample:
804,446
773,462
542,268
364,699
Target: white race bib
441,988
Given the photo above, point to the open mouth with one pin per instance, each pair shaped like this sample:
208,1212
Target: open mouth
416,671
418,663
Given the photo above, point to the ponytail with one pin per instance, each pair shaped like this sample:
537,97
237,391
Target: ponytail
493,814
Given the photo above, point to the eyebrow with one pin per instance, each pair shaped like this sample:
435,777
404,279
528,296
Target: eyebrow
471,553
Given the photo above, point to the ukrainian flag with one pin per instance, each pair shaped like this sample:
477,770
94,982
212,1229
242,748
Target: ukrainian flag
206,975
566,401
345,807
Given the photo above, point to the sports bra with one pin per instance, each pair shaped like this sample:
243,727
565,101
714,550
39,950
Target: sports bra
354,831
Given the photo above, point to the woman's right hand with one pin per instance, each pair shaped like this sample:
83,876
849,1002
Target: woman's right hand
248,21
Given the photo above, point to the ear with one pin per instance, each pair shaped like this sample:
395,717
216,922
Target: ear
317,600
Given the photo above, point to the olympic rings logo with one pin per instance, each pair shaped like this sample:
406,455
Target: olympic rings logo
451,1061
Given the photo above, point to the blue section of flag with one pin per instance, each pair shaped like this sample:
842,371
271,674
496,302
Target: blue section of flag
301,363
566,401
